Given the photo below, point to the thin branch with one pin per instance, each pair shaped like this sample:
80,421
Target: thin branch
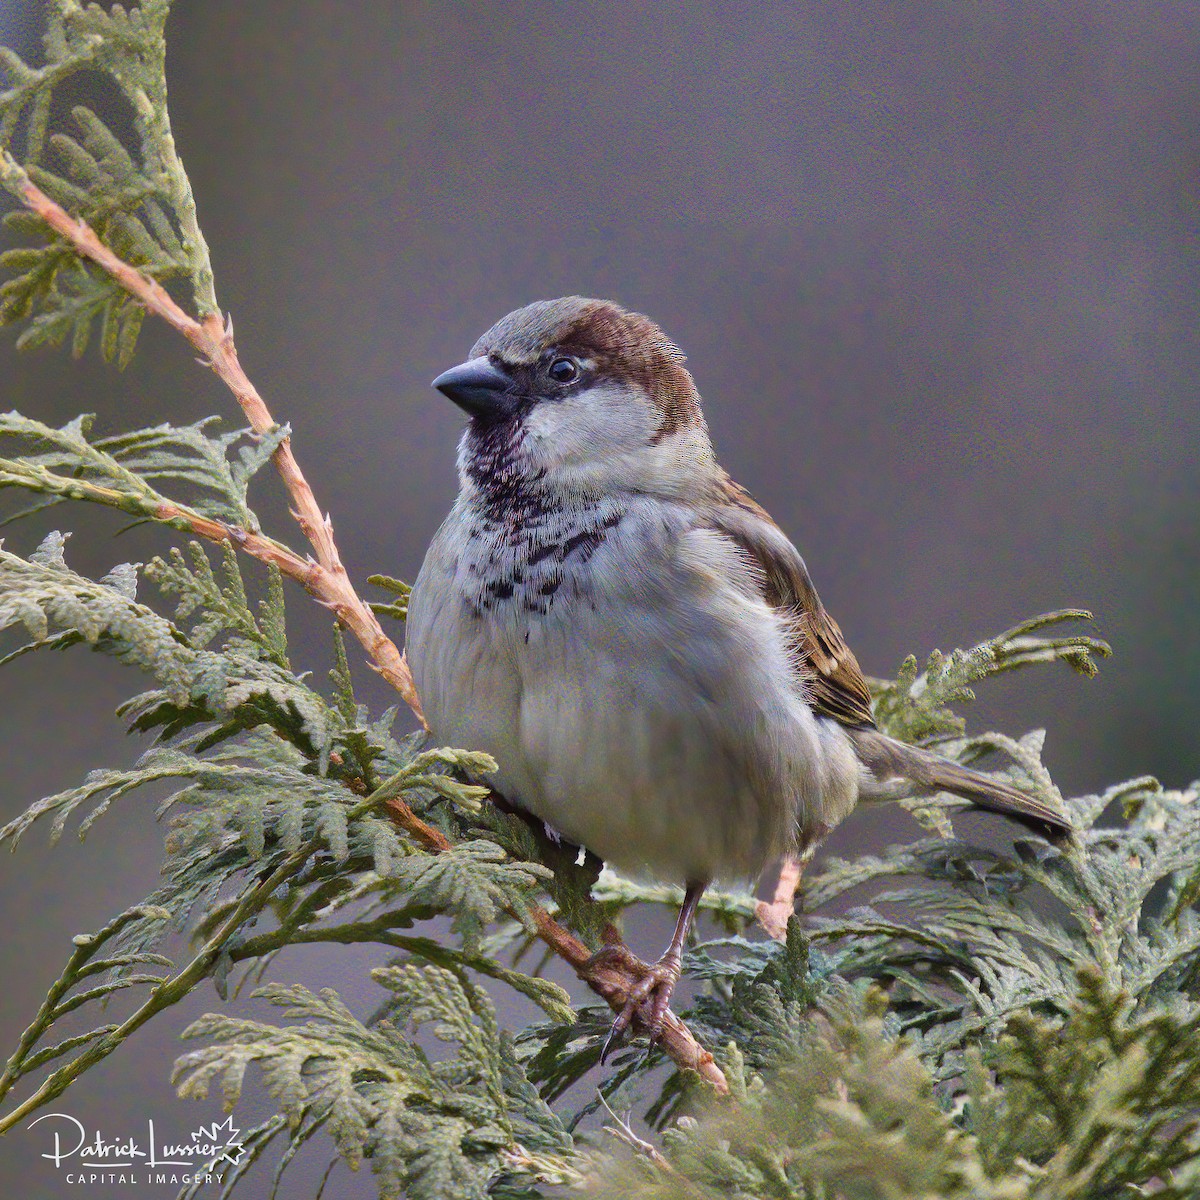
608,981
326,578
623,1132
168,992
214,341
613,985
16,473
50,1010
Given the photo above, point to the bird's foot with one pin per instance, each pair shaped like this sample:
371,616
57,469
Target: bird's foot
648,997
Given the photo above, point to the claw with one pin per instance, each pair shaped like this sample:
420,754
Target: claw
649,996
648,1000
615,1036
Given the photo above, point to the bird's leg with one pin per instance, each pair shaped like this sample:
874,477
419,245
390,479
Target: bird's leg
657,980
773,915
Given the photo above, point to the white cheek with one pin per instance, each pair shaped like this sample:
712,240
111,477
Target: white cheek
593,424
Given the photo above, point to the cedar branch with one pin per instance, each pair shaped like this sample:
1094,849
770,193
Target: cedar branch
167,992
326,578
213,339
606,979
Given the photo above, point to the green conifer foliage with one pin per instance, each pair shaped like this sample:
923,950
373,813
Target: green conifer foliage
943,1020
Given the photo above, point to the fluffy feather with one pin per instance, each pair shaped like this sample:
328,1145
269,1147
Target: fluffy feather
627,632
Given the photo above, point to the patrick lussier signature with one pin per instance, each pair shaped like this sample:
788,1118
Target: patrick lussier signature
73,1147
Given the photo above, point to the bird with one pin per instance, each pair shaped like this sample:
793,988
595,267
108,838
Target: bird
632,638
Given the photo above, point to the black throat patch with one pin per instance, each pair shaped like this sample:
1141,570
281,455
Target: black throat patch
508,491
525,544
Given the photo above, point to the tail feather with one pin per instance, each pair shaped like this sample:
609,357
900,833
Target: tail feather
887,757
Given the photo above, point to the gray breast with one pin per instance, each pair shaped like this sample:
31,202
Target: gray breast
520,562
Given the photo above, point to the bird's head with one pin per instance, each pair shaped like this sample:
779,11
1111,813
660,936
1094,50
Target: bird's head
582,395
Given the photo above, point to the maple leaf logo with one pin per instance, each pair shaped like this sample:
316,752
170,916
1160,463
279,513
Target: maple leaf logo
222,1133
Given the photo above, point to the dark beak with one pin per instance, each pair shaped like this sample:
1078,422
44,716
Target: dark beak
477,387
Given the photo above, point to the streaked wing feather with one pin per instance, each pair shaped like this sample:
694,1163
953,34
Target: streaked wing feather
832,678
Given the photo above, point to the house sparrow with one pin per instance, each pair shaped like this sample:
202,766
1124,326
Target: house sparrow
634,640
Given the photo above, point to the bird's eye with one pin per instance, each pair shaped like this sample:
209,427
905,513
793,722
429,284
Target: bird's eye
564,370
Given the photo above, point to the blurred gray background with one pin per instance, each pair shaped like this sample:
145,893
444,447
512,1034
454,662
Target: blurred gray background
933,263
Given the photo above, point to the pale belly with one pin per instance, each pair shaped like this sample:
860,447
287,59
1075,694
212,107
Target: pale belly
659,733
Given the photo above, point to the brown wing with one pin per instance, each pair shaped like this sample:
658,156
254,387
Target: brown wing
833,680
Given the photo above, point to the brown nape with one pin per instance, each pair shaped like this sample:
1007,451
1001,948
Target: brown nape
625,346
628,345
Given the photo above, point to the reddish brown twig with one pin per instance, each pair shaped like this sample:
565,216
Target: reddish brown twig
328,582
608,981
326,577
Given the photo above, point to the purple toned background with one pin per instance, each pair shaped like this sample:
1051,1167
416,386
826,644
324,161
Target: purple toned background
934,265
